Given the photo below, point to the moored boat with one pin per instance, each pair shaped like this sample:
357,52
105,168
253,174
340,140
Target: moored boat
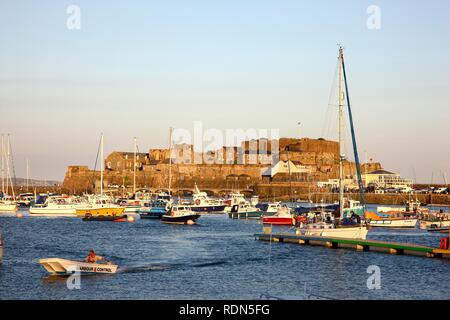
283,216
349,224
8,205
156,210
432,220
391,220
245,211
101,213
180,214
57,266
57,206
25,200
202,203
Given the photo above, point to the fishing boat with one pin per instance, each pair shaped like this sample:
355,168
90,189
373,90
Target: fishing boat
352,208
63,206
101,208
410,206
391,220
269,208
202,203
283,217
57,266
233,199
344,226
432,220
245,211
157,209
180,214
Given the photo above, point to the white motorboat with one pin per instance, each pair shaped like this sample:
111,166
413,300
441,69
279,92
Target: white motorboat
56,266
391,220
8,206
58,206
391,223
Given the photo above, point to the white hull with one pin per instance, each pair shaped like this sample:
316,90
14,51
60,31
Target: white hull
434,224
8,207
132,209
349,233
61,212
58,266
403,223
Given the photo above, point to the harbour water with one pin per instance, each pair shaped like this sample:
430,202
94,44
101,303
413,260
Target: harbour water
216,259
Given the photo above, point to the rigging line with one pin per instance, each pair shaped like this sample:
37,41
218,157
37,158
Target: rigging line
12,162
326,123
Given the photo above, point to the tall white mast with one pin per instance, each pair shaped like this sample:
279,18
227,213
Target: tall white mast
341,138
170,159
101,165
134,171
8,172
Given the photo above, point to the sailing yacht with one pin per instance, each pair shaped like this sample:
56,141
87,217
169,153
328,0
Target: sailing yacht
342,227
101,207
7,203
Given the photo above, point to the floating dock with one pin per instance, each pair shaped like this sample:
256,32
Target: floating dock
358,245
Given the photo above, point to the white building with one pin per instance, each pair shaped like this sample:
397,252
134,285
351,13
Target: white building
285,167
385,179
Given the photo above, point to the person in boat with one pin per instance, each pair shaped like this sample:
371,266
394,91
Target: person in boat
92,257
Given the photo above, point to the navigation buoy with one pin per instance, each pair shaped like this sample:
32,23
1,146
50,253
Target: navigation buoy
19,215
190,222
130,219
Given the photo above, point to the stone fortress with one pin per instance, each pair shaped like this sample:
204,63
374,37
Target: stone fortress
256,166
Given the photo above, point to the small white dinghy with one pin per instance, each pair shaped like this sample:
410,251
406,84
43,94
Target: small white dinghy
58,266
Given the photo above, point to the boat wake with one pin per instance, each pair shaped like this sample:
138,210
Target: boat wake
145,268
210,264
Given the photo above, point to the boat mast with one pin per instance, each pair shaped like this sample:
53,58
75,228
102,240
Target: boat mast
362,198
101,165
8,173
134,171
170,159
341,138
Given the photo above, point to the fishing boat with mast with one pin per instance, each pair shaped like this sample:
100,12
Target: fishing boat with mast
202,203
344,226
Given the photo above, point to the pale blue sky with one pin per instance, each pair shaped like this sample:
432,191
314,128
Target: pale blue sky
137,67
